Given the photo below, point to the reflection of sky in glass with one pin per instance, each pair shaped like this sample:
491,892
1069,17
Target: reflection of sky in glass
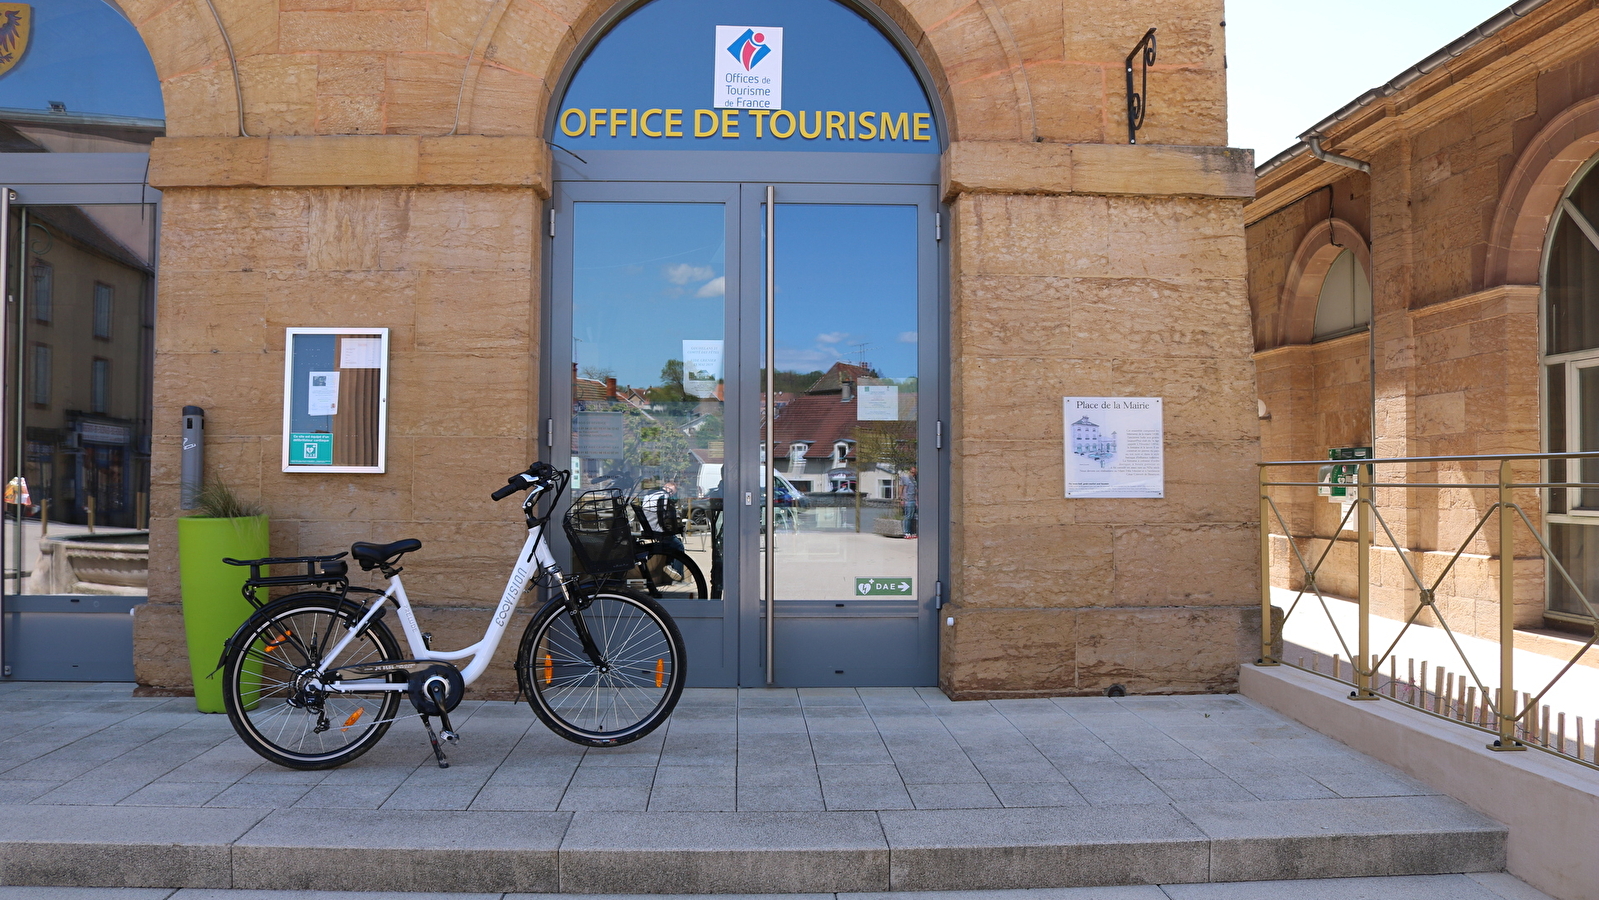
645,278
663,56
86,55
846,276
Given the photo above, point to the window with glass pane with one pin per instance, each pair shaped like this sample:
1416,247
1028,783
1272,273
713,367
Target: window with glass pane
102,310
81,405
1571,393
43,293
99,383
1344,305
648,357
41,375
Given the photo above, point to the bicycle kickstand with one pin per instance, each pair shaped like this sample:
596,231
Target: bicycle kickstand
436,692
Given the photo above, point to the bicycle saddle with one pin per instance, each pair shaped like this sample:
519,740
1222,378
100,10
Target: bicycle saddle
370,556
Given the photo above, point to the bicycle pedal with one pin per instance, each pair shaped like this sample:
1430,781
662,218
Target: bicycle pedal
450,737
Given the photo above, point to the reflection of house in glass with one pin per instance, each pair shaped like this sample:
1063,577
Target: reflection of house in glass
86,353
1087,441
823,446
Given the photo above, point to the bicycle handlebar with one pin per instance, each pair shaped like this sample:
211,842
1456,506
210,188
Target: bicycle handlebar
540,475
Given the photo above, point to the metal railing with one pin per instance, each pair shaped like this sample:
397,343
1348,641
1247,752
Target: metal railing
1509,715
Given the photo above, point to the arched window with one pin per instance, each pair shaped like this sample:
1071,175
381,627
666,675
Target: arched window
1571,388
1344,305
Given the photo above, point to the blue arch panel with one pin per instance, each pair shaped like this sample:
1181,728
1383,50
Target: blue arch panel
84,55
651,82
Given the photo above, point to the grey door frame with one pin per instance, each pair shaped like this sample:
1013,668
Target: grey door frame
51,625
692,615
733,178
931,340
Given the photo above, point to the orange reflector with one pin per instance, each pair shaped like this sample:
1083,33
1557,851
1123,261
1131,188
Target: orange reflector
549,669
279,642
660,671
359,712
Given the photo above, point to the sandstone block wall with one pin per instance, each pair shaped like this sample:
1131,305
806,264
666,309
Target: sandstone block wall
1456,326
394,174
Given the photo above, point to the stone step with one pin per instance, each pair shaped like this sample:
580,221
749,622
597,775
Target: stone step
743,852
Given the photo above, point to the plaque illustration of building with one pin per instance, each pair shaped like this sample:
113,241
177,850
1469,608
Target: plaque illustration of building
1087,441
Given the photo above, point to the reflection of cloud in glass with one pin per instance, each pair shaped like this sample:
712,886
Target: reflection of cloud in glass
832,337
716,287
907,337
683,273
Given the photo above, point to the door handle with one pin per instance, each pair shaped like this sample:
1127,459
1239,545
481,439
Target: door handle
771,420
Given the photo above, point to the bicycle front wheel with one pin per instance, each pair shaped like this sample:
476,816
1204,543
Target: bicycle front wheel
272,703
618,694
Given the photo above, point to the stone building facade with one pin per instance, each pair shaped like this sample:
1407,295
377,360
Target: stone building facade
389,165
1471,154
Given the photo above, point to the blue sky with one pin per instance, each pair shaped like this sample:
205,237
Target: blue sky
1291,64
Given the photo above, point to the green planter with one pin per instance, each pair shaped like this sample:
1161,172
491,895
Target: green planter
213,605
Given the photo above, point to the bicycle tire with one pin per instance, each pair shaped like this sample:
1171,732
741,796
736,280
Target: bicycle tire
280,721
594,706
693,576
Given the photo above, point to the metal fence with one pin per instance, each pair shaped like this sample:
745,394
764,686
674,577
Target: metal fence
1516,715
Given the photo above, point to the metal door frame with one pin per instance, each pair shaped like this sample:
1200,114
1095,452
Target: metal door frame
57,179
932,369
557,384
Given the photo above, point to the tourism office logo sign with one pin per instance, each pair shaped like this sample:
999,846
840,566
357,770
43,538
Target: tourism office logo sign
749,67
16,27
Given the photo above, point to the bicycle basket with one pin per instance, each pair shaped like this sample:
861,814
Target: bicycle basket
598,529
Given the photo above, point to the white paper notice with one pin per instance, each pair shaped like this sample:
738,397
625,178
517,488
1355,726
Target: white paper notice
1115,447
599,435
324,394
749,67
878,403
361,353
702,368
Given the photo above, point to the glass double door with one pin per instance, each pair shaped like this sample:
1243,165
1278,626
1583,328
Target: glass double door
810,549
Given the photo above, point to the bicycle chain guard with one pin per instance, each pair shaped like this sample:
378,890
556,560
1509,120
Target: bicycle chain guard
437,673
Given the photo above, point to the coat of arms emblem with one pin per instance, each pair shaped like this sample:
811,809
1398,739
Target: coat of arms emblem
16,26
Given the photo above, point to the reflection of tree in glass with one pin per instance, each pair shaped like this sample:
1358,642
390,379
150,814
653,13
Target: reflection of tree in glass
597,373
792,382
658,450
890,445
671,387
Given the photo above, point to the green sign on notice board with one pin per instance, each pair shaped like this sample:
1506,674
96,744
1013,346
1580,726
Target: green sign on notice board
883,587
310,449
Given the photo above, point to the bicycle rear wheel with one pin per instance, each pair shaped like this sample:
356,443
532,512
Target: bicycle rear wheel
628,693
663,583
264,687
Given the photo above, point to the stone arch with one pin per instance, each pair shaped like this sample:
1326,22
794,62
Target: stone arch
1532,194
1302,288
505,62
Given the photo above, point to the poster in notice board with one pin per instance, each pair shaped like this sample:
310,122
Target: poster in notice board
335,400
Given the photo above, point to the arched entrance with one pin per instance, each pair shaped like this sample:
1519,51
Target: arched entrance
770,191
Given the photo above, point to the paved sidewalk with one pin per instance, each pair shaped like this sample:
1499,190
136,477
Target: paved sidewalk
1416,887
743,790
722,750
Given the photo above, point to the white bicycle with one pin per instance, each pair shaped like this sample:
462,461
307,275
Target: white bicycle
315,679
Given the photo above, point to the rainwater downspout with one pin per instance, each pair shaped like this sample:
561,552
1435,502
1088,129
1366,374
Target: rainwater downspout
1313,141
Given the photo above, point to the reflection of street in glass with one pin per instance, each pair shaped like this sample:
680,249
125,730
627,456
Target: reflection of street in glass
814,565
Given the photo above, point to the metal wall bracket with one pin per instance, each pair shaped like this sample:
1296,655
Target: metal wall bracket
1138,102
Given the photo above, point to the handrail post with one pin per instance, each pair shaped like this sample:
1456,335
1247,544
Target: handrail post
1266,636
1362,661
1507,617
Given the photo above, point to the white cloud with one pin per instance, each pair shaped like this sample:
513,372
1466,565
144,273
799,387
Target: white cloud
907,337
832,337
683,273
716,287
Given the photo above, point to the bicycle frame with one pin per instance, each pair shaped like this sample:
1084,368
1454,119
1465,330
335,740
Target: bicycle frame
534,558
